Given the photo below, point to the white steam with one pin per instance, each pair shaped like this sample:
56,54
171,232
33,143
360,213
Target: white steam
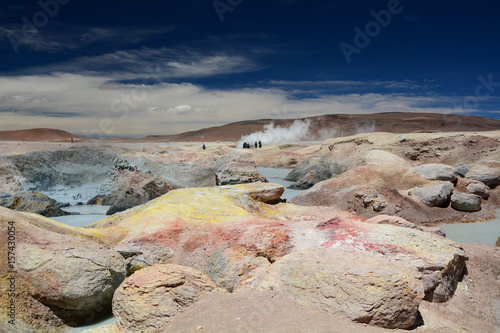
298,131
301,130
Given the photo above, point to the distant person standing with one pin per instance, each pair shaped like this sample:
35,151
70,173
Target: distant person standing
255,144
204,146
260,144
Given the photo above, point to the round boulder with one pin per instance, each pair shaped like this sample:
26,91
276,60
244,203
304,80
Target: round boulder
466,202
307,181
434,195
151,296
478,188
486,172
436,171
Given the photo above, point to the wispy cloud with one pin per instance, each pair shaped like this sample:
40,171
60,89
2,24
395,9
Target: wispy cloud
58,38
153,64
81,104
348,84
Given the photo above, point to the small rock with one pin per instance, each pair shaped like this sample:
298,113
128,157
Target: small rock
466,202
462,170
479,188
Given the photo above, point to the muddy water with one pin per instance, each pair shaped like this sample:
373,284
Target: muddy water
475,232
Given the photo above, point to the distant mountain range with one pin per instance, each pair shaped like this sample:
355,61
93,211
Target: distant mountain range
343,125
338,125
36,134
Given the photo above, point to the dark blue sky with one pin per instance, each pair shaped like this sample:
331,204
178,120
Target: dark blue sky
133,68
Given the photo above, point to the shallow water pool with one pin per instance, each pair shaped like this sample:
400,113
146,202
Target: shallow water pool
275,175
474,232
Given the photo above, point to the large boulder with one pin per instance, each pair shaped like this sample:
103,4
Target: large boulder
466,202
62,277
375,291
153,295
436,171
308,180
128,187
236,238
322,165
236,168
486,172
32,202
433,195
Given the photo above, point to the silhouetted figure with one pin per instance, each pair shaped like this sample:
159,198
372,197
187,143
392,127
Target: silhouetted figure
255,144
260,144
204,147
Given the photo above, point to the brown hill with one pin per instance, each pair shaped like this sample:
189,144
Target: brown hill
36,134
344,125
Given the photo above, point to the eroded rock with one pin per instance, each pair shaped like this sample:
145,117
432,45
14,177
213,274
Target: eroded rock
153,295
33,202
63,277
366,289
128,187
236,168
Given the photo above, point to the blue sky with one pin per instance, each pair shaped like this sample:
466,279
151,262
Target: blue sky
134,68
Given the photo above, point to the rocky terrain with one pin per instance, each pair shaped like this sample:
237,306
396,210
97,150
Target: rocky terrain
198,240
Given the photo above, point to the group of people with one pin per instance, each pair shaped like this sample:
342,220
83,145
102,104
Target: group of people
256,145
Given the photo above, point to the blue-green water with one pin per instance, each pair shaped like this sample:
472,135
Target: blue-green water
277,176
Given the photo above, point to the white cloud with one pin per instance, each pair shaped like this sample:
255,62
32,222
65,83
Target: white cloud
90,105
153,65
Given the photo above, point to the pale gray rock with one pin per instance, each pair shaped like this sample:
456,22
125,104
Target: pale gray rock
462,170
478,188
436,171
128,187
45,170
433,195
308,181
236,168
323,165
179,176
486,172
466,202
